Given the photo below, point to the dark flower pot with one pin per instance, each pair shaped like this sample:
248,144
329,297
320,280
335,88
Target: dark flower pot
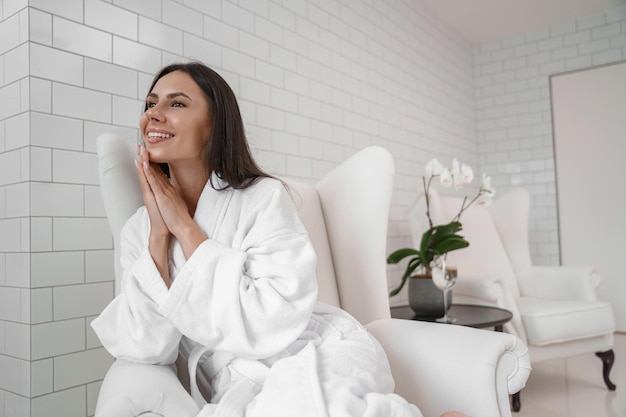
425,299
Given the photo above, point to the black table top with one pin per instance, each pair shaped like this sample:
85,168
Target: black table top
465,315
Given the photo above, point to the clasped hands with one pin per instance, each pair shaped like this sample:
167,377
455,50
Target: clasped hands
169,214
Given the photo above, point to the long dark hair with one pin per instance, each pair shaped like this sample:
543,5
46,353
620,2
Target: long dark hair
228,153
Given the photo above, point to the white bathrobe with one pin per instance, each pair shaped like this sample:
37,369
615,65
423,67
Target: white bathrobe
243,308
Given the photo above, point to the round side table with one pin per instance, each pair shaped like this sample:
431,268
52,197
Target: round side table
465,314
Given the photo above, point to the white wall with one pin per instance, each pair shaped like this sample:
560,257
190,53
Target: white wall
513,114
317,80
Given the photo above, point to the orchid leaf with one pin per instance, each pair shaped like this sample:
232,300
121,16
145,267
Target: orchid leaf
400,254
411,266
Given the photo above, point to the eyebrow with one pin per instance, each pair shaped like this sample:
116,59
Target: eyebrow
171,95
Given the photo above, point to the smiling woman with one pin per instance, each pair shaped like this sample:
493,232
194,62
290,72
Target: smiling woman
218,272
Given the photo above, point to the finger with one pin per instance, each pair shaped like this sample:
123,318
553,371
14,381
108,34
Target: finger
143,181
149,198
144,156
153,172
159,184
140,163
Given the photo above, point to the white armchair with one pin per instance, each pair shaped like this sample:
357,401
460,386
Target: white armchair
437,367
556,312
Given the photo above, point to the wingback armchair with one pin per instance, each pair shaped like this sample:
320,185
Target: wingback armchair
555,309
437,367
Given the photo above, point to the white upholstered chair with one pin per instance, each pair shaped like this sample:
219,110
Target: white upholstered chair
556,312
437,367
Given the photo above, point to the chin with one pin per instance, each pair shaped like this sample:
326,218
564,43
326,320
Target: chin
158,157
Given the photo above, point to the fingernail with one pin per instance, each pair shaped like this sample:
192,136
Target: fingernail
145,165
136,163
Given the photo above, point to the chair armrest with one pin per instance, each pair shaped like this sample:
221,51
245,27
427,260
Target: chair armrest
559,282
442,367
130,389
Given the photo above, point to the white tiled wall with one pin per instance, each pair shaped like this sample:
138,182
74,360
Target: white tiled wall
514,121
317,80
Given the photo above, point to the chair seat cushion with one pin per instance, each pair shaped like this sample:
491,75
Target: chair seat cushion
552,321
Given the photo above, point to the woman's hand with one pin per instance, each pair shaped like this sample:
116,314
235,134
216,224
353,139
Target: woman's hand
168,207
159,240
158,228
171,208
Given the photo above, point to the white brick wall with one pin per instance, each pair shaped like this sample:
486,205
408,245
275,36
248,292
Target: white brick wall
513,116
316,82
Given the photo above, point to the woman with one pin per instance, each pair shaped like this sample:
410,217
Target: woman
217,268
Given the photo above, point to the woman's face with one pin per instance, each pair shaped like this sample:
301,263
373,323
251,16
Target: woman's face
176,125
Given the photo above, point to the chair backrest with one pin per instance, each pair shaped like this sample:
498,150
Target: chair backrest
510,213
346,215
356,198
119,186
309,207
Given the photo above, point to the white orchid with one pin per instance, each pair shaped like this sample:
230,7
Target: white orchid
433,168
483,200
486,192
457,175
446,178
456,167
467,173
486,187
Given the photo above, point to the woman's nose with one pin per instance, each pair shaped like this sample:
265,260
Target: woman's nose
154,113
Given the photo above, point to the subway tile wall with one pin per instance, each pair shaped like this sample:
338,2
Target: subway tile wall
316,79
15,302
513,111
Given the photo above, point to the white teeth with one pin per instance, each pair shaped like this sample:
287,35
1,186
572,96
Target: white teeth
158,135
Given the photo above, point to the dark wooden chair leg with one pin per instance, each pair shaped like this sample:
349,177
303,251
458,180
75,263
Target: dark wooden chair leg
607,358
516,403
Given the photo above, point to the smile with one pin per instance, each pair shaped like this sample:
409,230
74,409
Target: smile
155,137
159,135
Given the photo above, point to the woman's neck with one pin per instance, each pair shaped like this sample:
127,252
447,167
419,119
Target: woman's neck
189,183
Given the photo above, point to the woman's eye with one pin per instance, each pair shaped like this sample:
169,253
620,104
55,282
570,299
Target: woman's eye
177,104
150,105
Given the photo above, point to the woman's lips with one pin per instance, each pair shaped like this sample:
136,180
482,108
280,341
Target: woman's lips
155,137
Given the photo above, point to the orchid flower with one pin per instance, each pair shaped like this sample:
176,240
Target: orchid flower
446,178
467,173
486,187
456,167
484,200
433,168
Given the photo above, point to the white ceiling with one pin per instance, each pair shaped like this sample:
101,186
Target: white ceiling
485,20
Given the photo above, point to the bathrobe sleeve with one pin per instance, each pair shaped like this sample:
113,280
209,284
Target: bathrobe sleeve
249,291
131,326
255,296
